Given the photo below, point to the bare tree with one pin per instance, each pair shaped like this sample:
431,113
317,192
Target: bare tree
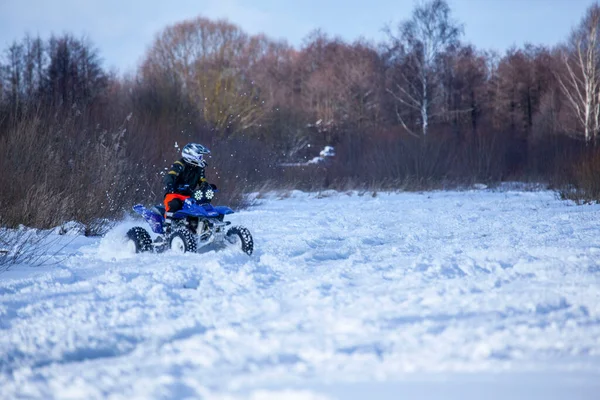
414,52
210,61
339,85
580,81
463,76
74,72
14,73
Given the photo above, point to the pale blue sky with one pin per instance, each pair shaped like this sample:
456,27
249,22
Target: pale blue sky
123,29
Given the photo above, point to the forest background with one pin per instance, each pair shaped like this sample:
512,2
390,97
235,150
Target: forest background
418,110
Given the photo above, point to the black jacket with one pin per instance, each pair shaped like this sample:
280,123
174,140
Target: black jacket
181,174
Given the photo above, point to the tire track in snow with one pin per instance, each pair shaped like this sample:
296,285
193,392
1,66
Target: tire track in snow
451,282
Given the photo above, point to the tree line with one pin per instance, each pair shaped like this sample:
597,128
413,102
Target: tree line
421,109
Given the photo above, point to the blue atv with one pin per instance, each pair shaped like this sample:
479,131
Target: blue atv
195,226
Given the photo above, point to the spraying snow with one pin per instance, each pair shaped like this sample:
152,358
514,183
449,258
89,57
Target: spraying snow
447,294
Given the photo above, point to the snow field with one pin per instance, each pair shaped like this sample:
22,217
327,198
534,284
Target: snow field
345,296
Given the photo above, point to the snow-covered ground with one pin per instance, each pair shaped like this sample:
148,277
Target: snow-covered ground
470,295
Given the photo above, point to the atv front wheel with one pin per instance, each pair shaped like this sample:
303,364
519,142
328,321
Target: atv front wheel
138,240
183,241
240,236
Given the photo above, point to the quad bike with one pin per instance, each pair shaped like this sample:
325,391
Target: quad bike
195,226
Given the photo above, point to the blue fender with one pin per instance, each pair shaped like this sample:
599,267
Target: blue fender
155,220
222,210
193,209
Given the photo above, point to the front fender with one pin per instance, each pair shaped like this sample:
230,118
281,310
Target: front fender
193,209
222,210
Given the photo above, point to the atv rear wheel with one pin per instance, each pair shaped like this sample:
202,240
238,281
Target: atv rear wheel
240,236
183,241
139,240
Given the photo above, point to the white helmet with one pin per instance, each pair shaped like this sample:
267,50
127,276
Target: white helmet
194,153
